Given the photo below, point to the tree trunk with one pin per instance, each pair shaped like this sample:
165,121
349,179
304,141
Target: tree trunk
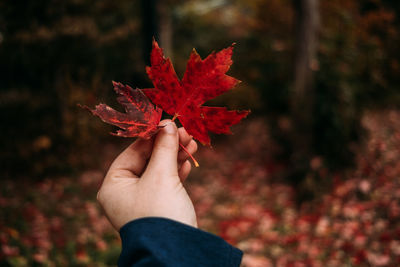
302,97
165,28
156,23
302,101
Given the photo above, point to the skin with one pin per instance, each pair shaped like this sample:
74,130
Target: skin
145,180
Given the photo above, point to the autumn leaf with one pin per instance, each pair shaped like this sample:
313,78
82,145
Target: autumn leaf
141,118
202,81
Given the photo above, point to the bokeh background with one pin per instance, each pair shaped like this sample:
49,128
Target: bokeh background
310,178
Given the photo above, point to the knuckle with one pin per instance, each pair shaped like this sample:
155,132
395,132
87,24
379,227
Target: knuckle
195,147
100,196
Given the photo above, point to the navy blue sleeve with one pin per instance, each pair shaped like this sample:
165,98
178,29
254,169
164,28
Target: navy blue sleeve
163,242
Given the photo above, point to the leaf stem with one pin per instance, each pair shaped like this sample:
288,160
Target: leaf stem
190,155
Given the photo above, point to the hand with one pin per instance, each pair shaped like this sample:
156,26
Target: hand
146,179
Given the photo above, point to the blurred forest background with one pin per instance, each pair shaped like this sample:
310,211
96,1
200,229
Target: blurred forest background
321,78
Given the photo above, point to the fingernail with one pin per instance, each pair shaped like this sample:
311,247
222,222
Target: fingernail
170,128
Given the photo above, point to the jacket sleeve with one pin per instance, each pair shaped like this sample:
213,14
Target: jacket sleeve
163,242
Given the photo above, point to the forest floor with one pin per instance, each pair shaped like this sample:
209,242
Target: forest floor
236,193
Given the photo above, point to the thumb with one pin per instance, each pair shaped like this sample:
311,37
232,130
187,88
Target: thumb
163,159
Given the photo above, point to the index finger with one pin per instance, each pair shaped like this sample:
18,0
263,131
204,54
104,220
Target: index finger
184,137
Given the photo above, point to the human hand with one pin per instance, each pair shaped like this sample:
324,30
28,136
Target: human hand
146,179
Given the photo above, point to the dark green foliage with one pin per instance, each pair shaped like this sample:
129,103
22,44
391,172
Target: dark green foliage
55,54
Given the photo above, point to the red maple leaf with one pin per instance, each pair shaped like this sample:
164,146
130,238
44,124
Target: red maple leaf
202,81
141,118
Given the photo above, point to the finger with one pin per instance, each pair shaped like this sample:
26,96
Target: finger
184,137
191,147
132,160
185,170
163,160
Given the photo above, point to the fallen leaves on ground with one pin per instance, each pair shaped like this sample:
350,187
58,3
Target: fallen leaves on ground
356,223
